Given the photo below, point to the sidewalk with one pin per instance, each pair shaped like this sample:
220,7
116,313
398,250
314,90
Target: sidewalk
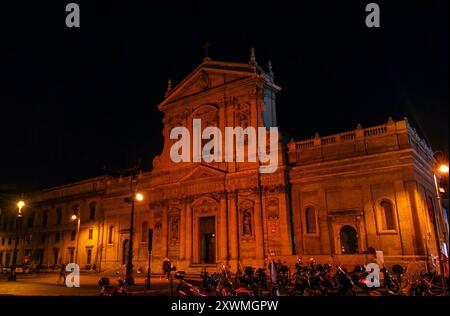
45,285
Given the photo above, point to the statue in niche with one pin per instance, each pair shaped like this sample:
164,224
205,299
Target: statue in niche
174,228
242,115
247,223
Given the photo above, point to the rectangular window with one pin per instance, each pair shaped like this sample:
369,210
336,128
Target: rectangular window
57,237
7,259
111,233
91,234
58,215
31,221
92,209
45,218
3,241
89,256
71,255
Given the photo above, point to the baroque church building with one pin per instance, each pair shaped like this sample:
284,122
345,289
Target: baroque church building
331,198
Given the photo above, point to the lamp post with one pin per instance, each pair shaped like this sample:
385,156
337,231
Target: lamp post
129,276
443,229
77,216
443,170
19,219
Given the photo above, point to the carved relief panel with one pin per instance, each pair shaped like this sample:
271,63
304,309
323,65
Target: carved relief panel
273,216
158,224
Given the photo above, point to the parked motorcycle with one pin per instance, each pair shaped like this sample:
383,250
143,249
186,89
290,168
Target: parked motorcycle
390,282
249,279
225,286
109,290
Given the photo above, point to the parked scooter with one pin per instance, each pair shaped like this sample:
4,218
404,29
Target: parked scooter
109,290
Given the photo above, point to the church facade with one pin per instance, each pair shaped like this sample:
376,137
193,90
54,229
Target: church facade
332,198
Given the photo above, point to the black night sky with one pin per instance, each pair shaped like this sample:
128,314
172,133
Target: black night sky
74,101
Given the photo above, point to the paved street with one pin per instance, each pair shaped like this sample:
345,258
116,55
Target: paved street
45,285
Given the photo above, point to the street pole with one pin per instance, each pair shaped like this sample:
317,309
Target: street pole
438,239
129,277
19,218
78,235
149,269
12,277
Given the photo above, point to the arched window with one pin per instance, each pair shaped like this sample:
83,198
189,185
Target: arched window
349,240
144,232
310,220
387,215
92,209
209,116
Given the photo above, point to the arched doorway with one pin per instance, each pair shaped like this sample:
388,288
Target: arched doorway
349,240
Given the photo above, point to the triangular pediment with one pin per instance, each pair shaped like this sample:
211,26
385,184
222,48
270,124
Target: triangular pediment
207,76
201,172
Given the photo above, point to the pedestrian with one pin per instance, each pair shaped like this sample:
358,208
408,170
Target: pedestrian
62,274
168,268
165,268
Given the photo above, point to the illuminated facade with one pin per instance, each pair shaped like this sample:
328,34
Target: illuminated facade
331,197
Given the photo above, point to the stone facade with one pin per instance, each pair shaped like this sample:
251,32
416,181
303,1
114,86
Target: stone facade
331,197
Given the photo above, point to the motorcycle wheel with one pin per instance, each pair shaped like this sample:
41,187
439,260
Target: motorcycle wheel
393,286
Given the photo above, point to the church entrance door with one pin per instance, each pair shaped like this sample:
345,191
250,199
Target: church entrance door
207,239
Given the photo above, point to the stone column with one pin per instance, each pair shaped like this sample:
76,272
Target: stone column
233,227
369,218
265,223
412,236
222,236
182,233
188,233
164,231
259,233
285,227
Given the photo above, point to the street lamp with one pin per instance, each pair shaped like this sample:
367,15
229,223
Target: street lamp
76,216
19,219
129,277
443,169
